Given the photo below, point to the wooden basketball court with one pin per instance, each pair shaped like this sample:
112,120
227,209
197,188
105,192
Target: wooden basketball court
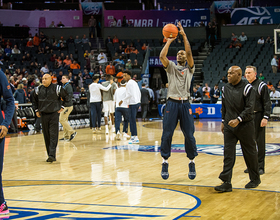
97,177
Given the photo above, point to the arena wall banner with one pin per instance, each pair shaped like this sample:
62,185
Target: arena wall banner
92,8
41,19
264,15
155,61
223,6
157,18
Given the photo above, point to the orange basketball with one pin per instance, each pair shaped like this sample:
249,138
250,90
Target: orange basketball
170,31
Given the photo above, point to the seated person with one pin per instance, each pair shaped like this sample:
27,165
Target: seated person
128,65
215,94
206,90
196,96
75,65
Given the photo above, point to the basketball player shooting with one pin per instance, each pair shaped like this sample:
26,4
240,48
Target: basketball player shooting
178,106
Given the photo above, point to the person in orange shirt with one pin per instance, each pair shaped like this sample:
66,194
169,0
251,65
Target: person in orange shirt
67,62
36,40
115,39
29,43
134,50
119,76
144,47
75,65
127,50
110,69
54,78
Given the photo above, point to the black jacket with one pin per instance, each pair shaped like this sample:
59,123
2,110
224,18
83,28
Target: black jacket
238,102
48,99
262,103
69,89
145,96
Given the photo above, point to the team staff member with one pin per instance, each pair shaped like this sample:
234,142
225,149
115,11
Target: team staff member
133,98
68,132
238,101
178,106
262,112
47,105
6,92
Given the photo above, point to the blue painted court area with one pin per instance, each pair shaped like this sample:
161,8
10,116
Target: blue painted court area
271,149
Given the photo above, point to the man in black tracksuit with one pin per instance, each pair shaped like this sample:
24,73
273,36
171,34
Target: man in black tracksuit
47,105
262,112
238,101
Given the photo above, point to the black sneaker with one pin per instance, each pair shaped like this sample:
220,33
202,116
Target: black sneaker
51,159
164,171
261,171
246,171
192,173
253,184
73,136
225,187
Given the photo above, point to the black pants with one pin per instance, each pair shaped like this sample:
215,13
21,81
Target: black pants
245,133
260,138
50,131
144,110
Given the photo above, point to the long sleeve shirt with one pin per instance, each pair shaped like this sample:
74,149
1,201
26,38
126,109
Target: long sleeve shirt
120,95
95,94
133,94
6,92
262,103
238,102
274,62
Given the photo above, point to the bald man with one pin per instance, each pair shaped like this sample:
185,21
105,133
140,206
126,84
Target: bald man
238,101
47,104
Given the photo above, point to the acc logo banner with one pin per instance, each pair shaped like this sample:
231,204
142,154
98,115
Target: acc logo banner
271,149
245,16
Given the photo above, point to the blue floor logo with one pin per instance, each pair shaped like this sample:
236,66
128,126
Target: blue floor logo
271,149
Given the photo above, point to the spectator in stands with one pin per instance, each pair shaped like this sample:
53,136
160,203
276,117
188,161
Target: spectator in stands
206,90
144,47
127,50
119,76
130,24
274,93
163,93
213,36
214,94
92,59
85,39
62,56
110,69
58,63
52,25
128,65
269,40
237,44
120,50
114,23
43,39
102,59
261,41
15,50
277,86
201,24
124,22
60,25
75,65
123,44
233,37
36,40
108,41
77,40
91,72
269,85
196,96
70,40
274,64
87,61
92,26
100,70
8,51
243,37
80,80
1,49
261,77
45,69
116,56
20,95
134,50
86,53
61,40
135,65
115,39
53,58
29,43
54,78
67,62
83,96
256,22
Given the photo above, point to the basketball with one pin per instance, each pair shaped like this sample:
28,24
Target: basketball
170,31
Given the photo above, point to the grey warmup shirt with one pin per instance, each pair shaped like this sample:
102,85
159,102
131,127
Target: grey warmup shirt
179,80
109,95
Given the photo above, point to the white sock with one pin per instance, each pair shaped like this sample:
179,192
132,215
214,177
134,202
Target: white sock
191,161
106,126
164,161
